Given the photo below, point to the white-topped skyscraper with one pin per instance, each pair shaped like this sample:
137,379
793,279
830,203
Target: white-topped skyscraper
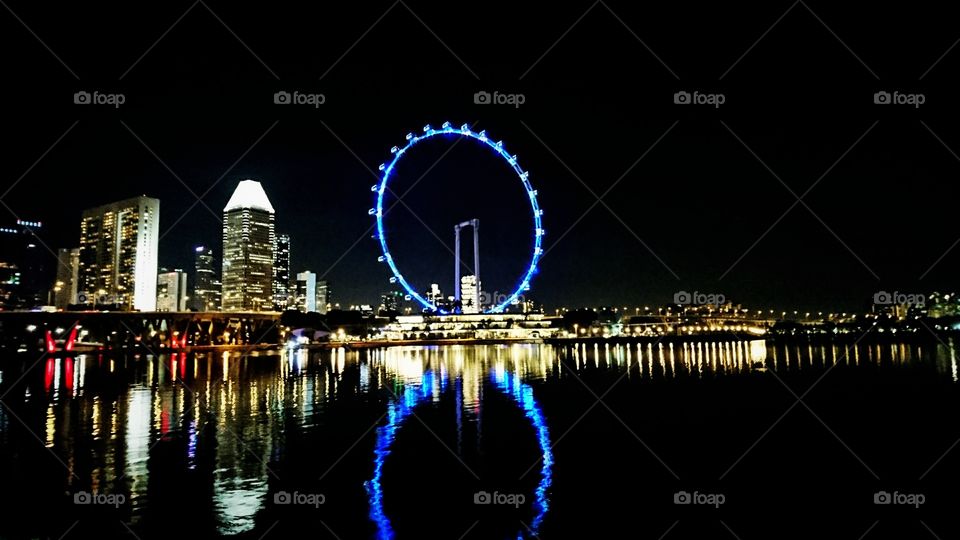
248,240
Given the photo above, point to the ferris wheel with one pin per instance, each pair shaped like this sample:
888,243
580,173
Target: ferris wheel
378,211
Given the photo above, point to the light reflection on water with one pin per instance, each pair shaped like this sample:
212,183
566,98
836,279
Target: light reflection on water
466,378
105,417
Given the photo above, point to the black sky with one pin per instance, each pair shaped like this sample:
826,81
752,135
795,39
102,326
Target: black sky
598,99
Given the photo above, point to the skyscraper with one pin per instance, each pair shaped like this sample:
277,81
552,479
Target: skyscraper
248,238
281,272
118,254
65,288
24,263
307,291
206,282
172,290
470,294
323,296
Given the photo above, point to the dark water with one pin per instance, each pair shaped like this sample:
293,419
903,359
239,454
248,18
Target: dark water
404,442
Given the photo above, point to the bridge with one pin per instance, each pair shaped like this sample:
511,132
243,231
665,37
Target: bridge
156,330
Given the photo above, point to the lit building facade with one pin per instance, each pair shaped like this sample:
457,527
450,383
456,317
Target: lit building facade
306,291
281,272
65,288
118,254
24,262
470,295
323,296
248,239
492,326
391,302
172,290
434,296
206,281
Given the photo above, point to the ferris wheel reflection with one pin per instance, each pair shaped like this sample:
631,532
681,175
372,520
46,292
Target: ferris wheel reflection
428,386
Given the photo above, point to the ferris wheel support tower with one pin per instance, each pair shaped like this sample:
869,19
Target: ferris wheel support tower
475,223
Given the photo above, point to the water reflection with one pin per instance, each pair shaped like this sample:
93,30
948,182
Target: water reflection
222,423
705,359
421,383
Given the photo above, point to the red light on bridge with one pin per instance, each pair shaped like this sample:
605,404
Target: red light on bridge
71,340
49,343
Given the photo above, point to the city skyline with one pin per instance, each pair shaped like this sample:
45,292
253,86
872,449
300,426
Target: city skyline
243,197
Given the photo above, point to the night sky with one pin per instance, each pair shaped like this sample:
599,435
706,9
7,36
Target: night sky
694,197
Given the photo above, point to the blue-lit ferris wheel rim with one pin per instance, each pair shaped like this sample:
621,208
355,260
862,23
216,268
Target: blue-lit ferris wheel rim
381,188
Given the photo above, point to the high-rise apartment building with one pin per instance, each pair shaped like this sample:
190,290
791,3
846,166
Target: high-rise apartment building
248,239
206,281
24,262
65,288
118,254
281,272
306,291
323,296
172,290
